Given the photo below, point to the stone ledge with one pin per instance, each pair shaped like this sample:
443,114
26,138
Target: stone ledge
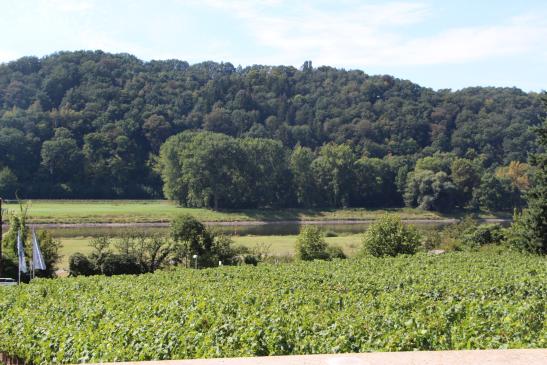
482,357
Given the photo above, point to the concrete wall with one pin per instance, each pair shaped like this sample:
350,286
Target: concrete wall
479,357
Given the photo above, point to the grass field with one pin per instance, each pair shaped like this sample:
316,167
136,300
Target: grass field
279,245
133,211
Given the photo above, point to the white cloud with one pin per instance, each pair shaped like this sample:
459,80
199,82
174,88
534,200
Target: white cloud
376,35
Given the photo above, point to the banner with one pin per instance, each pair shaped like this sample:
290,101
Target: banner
21,253
37,258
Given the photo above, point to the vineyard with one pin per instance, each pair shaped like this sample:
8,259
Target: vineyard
452,301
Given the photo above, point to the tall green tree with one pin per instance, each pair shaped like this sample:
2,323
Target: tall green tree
61,156
333,173
303,179
266,172
203,169
529,232
466,176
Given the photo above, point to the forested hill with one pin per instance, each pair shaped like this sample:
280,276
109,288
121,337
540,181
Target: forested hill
88,124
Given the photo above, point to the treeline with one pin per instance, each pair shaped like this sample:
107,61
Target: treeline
206,169
91,124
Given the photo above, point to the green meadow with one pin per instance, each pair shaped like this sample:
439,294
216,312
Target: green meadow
154,211
133,211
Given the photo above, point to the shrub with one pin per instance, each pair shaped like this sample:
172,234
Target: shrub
432,238
250,260
390,237
311,244
335,252
120,264
79,264
151,250
100,251
481,235
192,238
221,250
517,236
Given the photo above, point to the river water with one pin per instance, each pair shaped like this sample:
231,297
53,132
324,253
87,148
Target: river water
267,229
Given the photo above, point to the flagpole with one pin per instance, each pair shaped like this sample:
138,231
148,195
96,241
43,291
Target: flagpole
19,258
33,238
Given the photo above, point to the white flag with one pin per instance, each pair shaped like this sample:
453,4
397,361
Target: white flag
21,253
37,258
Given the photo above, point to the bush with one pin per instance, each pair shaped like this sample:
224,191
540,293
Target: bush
335,252
311,244
250,260
79,264
481,235
390,237
119,264
151,250
517,236
432,238
191,238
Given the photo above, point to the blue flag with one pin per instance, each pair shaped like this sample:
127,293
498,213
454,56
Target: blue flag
21,253
37,258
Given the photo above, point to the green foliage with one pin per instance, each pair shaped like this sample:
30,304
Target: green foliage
375,183
430,190
49,246
17,223
497,194
135,252
80,264
214,170
311,244
303,178
481,235
8,183
101,249
335,252
413,303
529,232
517,235
390,237
191,238
107,115
150,250
466,176
333,171
119,264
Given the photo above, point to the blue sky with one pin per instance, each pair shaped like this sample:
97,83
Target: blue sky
439,44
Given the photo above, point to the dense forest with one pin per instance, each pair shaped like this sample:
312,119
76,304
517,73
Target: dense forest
94,125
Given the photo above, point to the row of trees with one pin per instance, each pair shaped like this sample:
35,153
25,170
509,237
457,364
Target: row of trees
206,169
190,243
90,124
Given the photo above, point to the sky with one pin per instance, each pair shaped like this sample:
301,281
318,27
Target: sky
447,44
